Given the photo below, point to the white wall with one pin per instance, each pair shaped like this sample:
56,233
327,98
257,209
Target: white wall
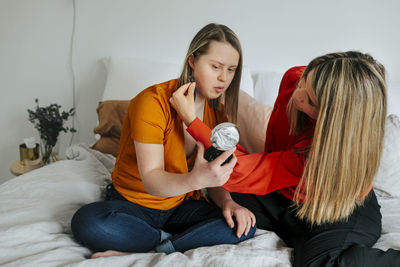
35,39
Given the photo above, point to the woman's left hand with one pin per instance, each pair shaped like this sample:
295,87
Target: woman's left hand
182,100
245,219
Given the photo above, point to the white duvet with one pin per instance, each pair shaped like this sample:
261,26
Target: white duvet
36,209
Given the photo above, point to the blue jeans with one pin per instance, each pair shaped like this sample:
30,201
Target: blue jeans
118,224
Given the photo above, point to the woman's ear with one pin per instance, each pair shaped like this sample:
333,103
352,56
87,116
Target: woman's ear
191,61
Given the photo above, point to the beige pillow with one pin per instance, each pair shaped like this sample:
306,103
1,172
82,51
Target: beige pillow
111,114
252,121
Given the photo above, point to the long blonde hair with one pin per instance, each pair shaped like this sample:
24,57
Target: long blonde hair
198,46
346,149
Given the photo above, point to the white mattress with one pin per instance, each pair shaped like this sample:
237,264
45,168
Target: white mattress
36,209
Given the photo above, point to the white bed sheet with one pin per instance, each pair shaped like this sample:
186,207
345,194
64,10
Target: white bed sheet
36,208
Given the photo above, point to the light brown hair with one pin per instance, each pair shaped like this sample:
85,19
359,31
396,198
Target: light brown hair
199,46
347,145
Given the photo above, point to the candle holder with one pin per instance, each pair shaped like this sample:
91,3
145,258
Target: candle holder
26,153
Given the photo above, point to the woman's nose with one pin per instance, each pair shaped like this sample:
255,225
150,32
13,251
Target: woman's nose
222,76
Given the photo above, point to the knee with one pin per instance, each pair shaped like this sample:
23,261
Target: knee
365,256
252,231
353,256
250,234
78,222
84,221
81,217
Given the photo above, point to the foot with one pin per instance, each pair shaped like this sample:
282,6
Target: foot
108,253
111,253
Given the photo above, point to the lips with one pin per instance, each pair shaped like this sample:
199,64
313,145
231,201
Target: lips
219,89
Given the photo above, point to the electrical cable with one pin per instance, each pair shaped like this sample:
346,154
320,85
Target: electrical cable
71,65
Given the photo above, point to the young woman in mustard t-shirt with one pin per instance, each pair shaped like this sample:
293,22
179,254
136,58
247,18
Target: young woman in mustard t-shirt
154,202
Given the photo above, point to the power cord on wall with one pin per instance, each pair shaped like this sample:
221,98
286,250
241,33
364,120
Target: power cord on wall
71,64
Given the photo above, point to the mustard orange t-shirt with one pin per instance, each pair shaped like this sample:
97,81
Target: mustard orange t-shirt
151,119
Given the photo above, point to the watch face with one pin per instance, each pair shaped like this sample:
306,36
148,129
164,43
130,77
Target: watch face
224,136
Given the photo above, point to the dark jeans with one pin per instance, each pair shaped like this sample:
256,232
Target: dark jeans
345,243
117,224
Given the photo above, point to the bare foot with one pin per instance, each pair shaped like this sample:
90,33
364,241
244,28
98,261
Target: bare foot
108,253
111,253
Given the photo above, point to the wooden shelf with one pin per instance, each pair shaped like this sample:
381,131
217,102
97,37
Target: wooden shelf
17,168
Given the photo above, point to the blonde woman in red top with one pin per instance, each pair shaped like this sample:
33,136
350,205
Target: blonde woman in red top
312,185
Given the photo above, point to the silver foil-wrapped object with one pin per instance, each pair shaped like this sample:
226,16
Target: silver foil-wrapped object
223,137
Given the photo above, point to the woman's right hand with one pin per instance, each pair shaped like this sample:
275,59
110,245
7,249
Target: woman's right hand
182,100
211,174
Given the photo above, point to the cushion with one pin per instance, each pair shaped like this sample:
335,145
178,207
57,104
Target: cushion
393,89
126,77
111,115
387,180
252,121
246,81
266,87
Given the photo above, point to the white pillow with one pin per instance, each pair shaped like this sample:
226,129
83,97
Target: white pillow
246,82
387,180
266,87
126,77
393,90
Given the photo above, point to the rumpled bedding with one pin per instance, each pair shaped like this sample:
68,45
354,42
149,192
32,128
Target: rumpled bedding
36,209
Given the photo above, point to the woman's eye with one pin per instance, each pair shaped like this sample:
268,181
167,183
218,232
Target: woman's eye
215,66
231,70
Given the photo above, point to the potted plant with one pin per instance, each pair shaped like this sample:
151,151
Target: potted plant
49,121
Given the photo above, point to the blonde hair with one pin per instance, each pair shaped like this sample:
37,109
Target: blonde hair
198,47
346,149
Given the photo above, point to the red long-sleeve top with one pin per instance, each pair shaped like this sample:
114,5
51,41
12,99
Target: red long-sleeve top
281,166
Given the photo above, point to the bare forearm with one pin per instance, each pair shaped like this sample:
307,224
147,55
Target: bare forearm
159,182
219,195
165,184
